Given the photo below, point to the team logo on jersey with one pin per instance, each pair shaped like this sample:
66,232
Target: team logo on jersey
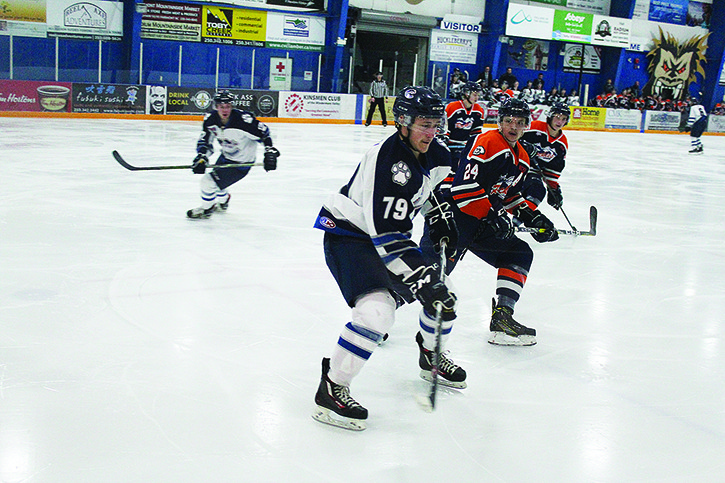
546,154
401,173
478,151
246,117
466,124
502,186
326,222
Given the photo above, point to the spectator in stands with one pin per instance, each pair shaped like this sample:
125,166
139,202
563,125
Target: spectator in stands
635,89
527,93
538,83
608,87
457,82
485,78
509,78
573,99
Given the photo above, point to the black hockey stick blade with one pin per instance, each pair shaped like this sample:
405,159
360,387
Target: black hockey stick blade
117,156
592,221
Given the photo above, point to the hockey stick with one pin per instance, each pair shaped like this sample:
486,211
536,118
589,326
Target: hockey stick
117,156
567,218
592,227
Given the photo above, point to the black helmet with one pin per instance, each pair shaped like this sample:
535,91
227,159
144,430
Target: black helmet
558,108
417,101
470,87
514,108
224,97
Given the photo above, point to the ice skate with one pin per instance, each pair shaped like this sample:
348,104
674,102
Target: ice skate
335,406
697,150
223,206
449,374
200,213
506,331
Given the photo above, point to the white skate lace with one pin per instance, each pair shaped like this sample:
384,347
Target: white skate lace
446,365
342,393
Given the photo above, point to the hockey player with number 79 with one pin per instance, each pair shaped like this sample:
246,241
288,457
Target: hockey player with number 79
238,133
369,250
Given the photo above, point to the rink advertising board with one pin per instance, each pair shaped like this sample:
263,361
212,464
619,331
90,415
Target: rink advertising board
35,96
313,105
171,21
109,98
624,119
662,121
87,19
716,123
195,101
587,118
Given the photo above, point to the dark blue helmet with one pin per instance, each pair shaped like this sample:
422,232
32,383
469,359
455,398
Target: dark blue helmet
558,108
470,87
417,101
224,97
514,108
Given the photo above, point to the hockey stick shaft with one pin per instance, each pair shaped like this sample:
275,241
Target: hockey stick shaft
117,156
567,218
438,333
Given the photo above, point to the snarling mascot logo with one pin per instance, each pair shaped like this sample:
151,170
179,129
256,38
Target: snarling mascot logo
673,66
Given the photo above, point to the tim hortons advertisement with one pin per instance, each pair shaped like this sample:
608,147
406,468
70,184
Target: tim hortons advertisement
109,98
35,96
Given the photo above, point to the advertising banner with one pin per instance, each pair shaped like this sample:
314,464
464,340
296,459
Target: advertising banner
573,26
24,18
611,31
233,26
92,19
171,21
35,96
716,123
196,101
626,119
529,21
661,121
318,5
528,53
573,59
451,46
307,105
668,11
296,32
592,118
109,98
601,7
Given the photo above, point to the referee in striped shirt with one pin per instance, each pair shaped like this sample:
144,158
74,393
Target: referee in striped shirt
378,92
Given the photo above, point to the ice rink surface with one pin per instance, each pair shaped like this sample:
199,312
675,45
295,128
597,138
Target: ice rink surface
139,346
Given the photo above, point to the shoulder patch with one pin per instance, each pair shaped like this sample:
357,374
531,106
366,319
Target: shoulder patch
248,118
401,173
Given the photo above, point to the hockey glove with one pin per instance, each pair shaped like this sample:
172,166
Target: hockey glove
536,219
554,197
501,224
270,158
430,291
442,226
199,164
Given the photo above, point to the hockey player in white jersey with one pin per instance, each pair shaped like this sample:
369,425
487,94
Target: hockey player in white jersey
238,134
368,248
697,122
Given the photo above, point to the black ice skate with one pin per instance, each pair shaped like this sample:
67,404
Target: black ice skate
506,331
697,150
200,213
449,374
335,406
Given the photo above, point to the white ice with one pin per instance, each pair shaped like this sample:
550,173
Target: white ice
137,345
